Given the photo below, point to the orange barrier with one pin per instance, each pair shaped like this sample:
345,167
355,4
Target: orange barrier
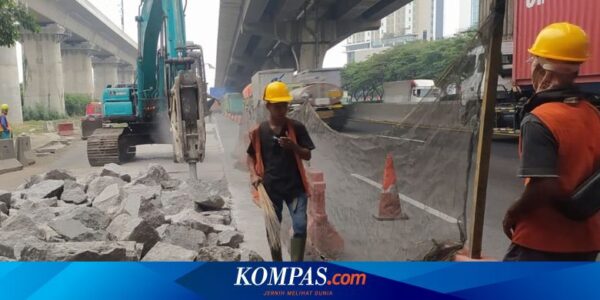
65,129
322,236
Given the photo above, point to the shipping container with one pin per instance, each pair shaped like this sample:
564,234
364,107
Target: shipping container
485,7
531,16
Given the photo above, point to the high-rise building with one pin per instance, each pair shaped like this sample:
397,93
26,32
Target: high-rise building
475,12
418,20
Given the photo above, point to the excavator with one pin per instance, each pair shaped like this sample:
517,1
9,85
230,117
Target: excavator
165,104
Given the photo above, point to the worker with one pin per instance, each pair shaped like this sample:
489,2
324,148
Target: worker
6,131
559,150
275,154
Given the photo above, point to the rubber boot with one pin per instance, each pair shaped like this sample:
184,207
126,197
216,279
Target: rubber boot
276,254
297,247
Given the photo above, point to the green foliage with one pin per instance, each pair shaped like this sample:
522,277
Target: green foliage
13,17
40,113
416,60
75,104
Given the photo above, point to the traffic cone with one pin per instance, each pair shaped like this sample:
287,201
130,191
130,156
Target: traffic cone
389,201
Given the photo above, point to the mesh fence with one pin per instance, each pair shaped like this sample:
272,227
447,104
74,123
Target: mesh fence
432,144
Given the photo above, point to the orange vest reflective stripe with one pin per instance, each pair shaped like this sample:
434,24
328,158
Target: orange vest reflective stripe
259,166
575,128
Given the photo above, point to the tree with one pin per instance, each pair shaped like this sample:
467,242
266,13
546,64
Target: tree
13,17
415,60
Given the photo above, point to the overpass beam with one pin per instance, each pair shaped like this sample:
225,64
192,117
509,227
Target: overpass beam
10,92
42,66
77,69
105,73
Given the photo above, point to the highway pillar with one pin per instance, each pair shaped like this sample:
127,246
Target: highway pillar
314,40
42,68
10,92
105,73
77,69
126,74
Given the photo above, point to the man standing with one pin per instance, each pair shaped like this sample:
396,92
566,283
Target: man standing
5,126
560,149
277,149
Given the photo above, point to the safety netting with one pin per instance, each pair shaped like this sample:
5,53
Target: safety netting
432,144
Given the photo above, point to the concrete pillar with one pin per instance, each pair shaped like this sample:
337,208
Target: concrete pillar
311,39
42,67
77,69
10,92
126,74
105,73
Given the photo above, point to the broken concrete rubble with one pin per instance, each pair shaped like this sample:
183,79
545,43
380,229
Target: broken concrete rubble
99,184
115,170
230,238
59,175
73,193
127,228
82,251
45,189
212,202
169,252
183,236
155,175
109,200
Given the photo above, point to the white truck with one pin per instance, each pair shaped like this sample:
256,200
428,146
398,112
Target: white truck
410,91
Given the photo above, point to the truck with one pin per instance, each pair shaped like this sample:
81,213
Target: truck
166,102
523,21
410,91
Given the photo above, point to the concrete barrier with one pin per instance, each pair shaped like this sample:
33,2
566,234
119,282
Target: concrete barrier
322,237
8,157
65,129
24,152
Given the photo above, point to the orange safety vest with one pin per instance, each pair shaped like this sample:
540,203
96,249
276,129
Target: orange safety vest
259,166
547,229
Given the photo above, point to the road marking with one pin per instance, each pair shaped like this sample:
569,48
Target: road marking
411,201
401,139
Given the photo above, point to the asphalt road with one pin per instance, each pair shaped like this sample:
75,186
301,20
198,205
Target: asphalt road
503,185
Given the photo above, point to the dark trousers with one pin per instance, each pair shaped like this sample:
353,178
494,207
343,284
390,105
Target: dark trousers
520,253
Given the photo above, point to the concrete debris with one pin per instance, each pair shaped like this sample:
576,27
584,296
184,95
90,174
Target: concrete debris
3,208
74,230
155,175
11,242
170,184
230,238
128,228
218,254
73,193
90,217
45,189
3,217
34,179
182,236
5,197
20,222
168,252
59,174
212,239
174,202
217,218
82,251
250,256
47,234
97,185
115,170
197,221
109,200
212,202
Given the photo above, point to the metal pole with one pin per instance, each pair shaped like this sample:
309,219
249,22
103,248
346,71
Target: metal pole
486,127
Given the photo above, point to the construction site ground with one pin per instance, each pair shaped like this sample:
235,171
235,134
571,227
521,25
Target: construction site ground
222,137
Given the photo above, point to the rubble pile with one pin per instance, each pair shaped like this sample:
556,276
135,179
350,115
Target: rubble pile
115,216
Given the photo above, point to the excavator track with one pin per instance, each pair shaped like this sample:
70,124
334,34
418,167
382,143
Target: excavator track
103,146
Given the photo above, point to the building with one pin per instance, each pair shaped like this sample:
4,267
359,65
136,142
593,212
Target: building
418,20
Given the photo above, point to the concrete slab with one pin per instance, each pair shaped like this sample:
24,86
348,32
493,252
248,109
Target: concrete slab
10,165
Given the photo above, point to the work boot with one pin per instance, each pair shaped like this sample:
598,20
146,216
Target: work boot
276,254
297,253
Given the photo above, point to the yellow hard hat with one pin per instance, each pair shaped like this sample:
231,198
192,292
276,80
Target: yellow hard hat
562,41
4,107
277,92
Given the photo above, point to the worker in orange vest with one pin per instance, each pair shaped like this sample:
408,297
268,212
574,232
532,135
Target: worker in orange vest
559,150
275,154
4,124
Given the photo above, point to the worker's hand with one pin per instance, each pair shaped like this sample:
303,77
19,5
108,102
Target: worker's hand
512,217
286,143
256,181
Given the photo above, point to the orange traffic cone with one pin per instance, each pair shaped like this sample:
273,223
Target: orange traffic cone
389,201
